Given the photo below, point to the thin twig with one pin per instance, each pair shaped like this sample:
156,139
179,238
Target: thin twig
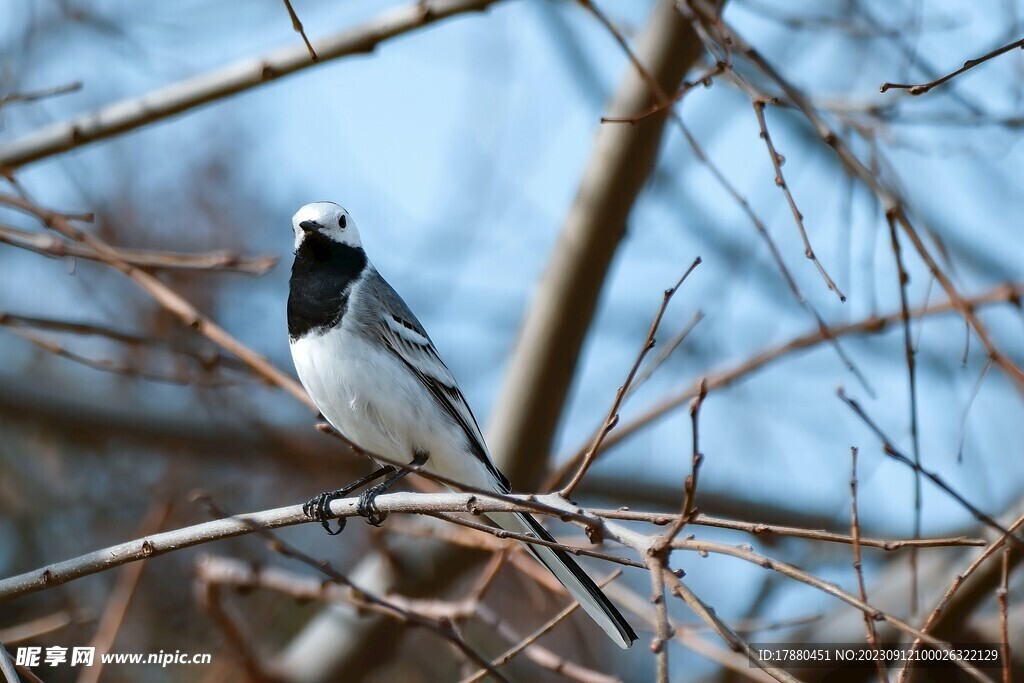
762,529
890,199
967,409
613,412
1006,293
908,349
107,365
36,95
297,25
234,630
735,642
117,605
940,608
722,180
52,247
1003,597
869,622
746,554
688,511
206,358
780,181
530,538
898,456
525,643
968,65
166,297
666,351
704,79
208,87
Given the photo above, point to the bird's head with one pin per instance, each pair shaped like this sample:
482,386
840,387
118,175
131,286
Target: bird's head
325,220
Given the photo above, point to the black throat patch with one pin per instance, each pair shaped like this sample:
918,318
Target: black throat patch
322,277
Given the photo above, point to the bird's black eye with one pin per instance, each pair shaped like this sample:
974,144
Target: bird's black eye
342,222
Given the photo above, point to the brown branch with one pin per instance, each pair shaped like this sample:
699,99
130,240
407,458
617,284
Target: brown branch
207,359
205,88
233,628
117,606
967,409
780,181
613,412
704,79
111,366
666,351
909,354
869,622
711,618
689,511
169,299
36,95
366,599
762,529
525,643
890,199
712,16
890,450
50,246
297,26
940,610
968,65
746,554
1003,597
664,633
1005,293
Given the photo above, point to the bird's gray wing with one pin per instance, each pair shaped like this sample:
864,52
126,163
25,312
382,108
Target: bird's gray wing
404,336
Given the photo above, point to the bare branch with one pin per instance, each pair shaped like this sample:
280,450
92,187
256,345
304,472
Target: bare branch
297,25
1006,293
909,354
942,608
968,65
869,622
748,555
36,95
209,87
890,450
166,297
124,589
780,181
48,245
762,529
613,412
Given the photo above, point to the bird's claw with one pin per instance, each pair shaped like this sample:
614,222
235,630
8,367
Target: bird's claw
368,508
318,508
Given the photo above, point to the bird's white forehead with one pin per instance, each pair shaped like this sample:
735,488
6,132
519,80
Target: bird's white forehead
317,211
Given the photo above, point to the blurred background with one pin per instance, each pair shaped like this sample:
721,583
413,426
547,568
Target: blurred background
459,148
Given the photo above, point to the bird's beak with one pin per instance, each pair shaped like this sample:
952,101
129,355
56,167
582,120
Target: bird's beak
309,226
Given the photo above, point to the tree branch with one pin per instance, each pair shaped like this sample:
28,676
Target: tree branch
179,97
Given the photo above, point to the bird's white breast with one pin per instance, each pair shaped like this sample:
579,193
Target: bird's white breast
366,393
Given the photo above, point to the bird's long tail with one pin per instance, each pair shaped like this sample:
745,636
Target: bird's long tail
570,575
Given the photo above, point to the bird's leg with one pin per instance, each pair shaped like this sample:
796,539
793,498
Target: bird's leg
367,508
318,508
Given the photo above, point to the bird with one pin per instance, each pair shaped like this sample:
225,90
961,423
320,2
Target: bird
377,378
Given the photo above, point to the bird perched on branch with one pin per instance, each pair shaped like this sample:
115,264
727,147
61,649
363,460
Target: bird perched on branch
374,374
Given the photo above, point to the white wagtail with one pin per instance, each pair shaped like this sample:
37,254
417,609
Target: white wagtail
375,375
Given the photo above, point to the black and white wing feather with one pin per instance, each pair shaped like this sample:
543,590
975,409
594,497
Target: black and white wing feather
404,336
